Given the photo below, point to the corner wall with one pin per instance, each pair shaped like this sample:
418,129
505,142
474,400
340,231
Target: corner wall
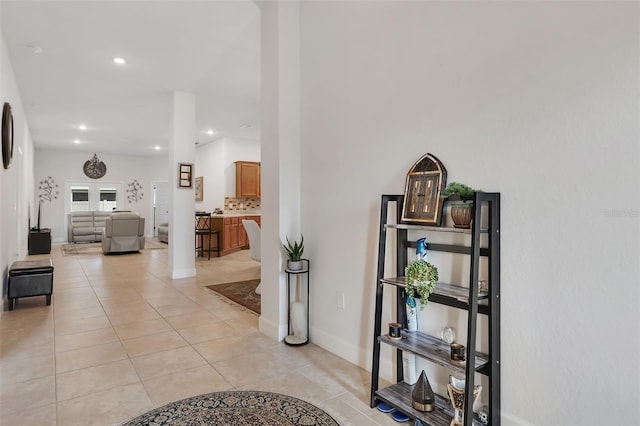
536,100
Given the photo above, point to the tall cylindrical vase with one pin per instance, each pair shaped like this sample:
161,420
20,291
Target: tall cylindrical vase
412,314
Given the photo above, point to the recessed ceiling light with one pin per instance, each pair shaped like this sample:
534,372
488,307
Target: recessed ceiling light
119,61
210,132
157,148
76,141
82,127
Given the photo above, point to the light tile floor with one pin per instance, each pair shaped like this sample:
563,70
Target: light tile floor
121,338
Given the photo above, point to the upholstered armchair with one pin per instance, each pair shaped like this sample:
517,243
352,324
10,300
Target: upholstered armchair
123,232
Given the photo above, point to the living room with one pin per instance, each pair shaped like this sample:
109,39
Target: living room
535,100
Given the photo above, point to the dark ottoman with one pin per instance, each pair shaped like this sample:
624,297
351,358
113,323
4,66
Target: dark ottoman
30,278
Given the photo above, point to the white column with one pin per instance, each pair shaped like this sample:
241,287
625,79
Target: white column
182,149
280,154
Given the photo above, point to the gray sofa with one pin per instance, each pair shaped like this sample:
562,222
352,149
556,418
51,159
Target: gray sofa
163,232
85,227
123,232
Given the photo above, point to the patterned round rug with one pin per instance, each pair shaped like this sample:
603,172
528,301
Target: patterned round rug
236,408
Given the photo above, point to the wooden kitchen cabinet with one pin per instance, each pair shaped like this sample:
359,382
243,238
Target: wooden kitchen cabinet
233,236
247,179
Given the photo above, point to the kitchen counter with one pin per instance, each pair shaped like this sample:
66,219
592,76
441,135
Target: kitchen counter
236,214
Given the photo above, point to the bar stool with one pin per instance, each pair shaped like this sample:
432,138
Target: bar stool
204,227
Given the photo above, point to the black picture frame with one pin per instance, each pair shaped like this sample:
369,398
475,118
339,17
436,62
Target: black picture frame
7,135
422,202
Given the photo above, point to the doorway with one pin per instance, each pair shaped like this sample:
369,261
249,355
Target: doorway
160,204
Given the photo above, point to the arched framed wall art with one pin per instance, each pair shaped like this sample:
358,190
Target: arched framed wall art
425,181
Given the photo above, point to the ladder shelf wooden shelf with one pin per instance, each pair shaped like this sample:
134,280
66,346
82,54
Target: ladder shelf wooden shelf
467,298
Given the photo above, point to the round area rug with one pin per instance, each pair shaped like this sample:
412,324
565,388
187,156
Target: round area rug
236,408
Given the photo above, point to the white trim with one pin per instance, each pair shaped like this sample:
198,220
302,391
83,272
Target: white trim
183,273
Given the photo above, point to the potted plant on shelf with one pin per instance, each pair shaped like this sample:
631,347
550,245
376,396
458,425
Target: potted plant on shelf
421,280
294,251
462,208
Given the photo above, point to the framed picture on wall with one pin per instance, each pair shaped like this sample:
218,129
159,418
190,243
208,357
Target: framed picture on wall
199,188
185,175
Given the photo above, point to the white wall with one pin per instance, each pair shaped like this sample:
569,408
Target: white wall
215,162
536,100
66,166
16,182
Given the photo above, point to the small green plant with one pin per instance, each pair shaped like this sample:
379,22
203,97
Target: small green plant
421,280
461,190
295,250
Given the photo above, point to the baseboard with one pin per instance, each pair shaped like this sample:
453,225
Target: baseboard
271,329
509,419
183,273
350,352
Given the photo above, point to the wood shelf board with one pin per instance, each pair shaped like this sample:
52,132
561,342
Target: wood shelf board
442,289
431,228
432,349
399,396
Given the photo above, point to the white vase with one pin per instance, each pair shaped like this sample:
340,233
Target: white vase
294,265
412,314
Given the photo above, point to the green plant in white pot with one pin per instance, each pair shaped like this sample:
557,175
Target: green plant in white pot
462,208
421,280
294,251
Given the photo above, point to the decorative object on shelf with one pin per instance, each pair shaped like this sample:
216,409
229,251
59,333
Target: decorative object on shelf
421,249
422,201
185,175
448,334
49,189
409,367
422,395
298,315
457,352
395,330
412,315
462,206
199,188
455,388
94,168
7,135
294,251
134,192
421,279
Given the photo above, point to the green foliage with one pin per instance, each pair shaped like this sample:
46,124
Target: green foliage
421,280
295,250
461,190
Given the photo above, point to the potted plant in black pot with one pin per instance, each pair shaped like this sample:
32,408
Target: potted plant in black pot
461,196
294,251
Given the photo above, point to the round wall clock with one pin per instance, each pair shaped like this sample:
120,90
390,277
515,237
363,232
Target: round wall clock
94,168
7,135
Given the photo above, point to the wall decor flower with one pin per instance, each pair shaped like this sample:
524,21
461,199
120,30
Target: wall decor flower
134,192
49,189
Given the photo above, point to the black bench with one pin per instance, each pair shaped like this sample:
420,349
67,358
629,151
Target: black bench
30,278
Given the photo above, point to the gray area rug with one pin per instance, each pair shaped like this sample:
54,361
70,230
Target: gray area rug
237,408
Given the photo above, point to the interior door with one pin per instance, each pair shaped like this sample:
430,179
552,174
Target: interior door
160,204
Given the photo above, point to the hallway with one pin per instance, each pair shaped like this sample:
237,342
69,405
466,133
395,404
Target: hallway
121,338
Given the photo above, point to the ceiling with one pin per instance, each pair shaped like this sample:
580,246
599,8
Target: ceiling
208,48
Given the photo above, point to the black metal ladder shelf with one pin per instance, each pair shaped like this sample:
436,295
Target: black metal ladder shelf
467,298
